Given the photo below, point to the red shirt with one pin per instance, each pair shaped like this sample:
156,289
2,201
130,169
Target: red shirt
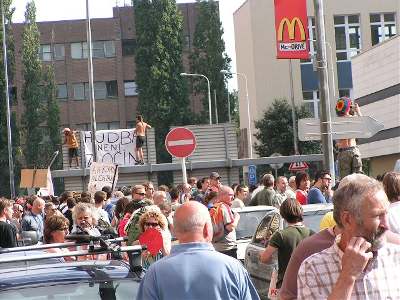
121,225
301,197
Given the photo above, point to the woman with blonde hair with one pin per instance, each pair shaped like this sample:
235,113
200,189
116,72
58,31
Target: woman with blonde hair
155,219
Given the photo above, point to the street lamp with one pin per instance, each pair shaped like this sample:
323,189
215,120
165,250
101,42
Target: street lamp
209,91
248,109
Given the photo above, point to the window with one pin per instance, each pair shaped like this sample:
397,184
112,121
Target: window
81,91
312,37
107,125
383,27
112,89
347,36
130,88
100,91
79,50
13,95
61,92
82,127
45,52
128,47
311,99
59,51
346,93
100,49
186,42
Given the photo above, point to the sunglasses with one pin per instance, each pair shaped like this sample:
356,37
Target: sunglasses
141,194
150,224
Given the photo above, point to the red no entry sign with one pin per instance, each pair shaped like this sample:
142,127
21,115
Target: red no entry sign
180,142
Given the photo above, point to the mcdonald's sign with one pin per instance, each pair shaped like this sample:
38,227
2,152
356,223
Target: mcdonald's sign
291,29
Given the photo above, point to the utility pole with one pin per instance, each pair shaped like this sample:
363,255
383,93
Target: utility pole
294,122
216,107
9,140
322,68
91,90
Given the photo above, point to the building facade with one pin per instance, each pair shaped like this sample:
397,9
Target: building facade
351,27
376,84
63,44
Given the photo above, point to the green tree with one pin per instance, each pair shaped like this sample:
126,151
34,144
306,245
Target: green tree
275,131
16,151
162,93
208,57
31,94
52,111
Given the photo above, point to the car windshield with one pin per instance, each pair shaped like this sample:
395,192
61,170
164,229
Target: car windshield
120,289
248,223
312,219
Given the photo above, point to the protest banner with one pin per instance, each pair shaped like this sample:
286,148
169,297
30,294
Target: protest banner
101,175
113,146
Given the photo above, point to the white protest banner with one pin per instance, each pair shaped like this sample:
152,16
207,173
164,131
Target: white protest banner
101,175
113,146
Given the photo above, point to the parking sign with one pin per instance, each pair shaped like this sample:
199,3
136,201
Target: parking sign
252,176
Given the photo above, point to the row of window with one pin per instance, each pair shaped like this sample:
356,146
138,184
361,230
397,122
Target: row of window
348,34
104,125
79,50
102,90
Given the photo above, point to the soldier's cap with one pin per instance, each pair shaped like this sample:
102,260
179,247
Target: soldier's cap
214,175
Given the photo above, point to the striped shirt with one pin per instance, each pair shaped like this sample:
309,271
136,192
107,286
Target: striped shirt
319,273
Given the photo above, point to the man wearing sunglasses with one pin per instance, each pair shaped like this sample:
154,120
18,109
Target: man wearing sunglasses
321,186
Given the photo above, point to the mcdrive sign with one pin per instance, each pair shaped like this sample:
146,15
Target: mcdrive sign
291,29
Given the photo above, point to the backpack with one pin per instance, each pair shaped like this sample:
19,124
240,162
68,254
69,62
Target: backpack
217,218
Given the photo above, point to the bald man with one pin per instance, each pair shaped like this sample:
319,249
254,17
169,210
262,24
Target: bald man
33,221
194,270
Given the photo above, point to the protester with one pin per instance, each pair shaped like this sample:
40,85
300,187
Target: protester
68,214
33,220
286,240
391,184
155,219
322,183
186,272
109,206
202,187
360,264
224,222
215,182
282,192
119,211
72,143
140,132
16,220
99,203
174,193
56,227
240,195
85,219
8,232
349,157
266,195
302,185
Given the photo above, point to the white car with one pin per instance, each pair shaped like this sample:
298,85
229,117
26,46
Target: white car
250,217
260,273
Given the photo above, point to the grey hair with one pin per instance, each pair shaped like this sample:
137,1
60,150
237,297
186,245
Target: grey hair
351,194
268,180
85,207
194,221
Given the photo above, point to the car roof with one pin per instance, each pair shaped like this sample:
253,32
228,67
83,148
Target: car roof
64,272
310,208
254,208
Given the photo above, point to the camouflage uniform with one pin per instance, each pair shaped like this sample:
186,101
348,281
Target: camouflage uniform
349,160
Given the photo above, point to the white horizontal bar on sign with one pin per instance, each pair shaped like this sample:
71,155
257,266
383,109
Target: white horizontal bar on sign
180,143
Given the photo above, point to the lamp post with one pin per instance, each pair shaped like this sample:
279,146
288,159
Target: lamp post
209,90
248,109
91,90
9,140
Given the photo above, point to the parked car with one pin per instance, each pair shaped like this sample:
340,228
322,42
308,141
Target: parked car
35,274
250,217
260,273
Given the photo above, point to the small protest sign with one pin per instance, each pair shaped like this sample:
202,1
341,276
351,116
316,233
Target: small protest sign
101,175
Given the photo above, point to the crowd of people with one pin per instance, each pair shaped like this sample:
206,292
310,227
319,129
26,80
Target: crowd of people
199,216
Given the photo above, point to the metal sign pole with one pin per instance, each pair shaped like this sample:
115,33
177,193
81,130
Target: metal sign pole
296,147
184,175
322,65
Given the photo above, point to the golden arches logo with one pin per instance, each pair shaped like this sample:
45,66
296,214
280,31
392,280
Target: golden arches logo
291,28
